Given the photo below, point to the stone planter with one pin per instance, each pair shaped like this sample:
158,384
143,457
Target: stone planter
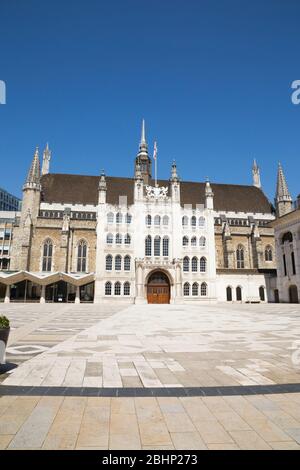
4,334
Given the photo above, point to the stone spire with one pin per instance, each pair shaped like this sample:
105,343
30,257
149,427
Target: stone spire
33,177
143,158
174,175
46,160
256,175
283,200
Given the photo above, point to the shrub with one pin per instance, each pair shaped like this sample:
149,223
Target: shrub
4,322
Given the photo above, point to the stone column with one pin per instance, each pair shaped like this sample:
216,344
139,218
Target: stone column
43,295
7,295
77,297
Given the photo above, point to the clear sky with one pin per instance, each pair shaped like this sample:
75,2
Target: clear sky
212,78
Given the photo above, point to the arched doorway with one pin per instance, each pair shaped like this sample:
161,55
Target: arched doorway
158,288
293,294
229,294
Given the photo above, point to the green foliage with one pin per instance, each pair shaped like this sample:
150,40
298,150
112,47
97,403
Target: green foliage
4,322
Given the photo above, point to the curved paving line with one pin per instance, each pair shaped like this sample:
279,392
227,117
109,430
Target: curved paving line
150,392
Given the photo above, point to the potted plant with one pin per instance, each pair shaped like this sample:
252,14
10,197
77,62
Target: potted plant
4,333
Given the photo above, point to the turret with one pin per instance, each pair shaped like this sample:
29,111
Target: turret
46,160
256,175
102,188
143,158
175,183
283,200
209,196
32,189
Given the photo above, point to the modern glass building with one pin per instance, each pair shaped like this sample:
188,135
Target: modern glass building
8,202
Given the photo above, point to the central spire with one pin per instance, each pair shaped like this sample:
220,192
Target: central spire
143,161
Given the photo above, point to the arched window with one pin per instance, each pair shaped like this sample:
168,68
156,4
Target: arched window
165,220
203,289
127,263
117,288
202,241
186,264
157,246
201,222
194,264
118,239
108,263
195,288
81,256
185,221
293,263
193,241
110,218
203,264
126,288
119,218
229,294
108,288
128,218
268,253
238,293
157,220
240,257
262,293
148,243
186,289
193,221
47,255
165,246
287,237
185,241
148,220
109,238
127,239
118,263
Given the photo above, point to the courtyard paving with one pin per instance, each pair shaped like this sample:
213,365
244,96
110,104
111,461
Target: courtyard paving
147,348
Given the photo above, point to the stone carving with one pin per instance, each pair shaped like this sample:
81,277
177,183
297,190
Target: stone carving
156,192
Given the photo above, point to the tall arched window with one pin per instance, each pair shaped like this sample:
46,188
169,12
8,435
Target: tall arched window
293,263
194,264
119,218
186,264
127,263
165,220
193,241
118,263
81,256
117,288
203,289
202,241
185,241
128,218
203,264
201,222
165,246
186,289
185,221
148,220
229,294
157,246
268,253
127,239
126,288
109,239
157,220
47,255
240,257
238,293
193,221
262,293
148,243
118,238
108,263
110,218
108,288
195,288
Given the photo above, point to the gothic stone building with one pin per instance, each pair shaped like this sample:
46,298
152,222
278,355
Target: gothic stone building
114,239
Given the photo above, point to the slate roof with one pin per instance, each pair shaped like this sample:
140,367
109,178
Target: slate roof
82,189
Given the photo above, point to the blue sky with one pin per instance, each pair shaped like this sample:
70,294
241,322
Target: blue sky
211,78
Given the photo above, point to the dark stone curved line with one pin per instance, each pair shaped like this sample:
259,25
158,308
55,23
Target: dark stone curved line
150,392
